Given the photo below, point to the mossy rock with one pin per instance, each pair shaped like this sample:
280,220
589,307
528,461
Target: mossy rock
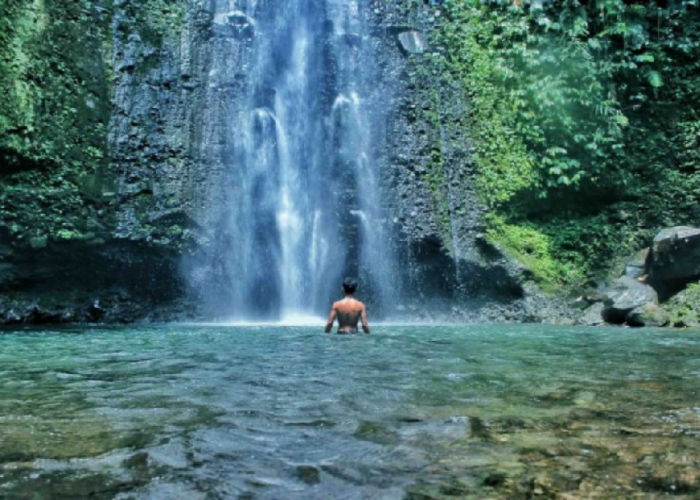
684,307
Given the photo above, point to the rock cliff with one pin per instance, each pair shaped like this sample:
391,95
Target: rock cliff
106,209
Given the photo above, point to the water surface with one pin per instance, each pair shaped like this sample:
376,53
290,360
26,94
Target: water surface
269,412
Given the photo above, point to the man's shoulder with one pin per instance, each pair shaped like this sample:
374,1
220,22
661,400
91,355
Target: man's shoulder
341,304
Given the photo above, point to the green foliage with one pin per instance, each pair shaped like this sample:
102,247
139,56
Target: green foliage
53,116
18,24
533,249
578,111
436,171
55,83
154,20
434,175
684,308
590,245
57,97
545,112
504,163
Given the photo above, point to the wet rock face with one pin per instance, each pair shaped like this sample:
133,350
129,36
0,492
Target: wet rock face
172,134
113,282
120,237
156,130
178,71
428,179
176,106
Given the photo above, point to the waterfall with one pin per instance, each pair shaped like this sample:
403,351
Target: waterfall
301,201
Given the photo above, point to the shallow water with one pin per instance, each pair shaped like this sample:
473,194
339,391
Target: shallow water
269,412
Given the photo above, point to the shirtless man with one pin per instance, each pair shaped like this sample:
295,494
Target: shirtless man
348,311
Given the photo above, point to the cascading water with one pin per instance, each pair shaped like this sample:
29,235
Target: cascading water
301,202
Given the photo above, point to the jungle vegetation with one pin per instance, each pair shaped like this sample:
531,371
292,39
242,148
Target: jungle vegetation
585,118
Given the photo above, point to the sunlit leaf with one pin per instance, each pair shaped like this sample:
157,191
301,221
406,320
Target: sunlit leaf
655,79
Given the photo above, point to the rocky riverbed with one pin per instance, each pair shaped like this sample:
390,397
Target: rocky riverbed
427,413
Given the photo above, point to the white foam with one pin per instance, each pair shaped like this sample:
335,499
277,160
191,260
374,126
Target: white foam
296,319
292,319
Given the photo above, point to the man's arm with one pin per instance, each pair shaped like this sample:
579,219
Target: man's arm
365,323
331,319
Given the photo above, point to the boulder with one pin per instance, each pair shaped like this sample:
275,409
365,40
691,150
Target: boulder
412,42
647,315
593,316
624,295
675,258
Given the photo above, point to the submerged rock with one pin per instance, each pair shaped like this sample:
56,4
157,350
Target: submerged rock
136,461
376,433
308,474
479,429
625,295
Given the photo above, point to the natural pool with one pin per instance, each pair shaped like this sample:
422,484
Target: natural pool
270,412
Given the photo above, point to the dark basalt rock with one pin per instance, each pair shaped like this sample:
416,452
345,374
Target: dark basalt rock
674,259
112,282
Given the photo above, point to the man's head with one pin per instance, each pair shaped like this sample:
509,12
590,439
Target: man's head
349,286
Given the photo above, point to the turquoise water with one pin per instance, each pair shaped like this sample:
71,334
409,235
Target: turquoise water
267,412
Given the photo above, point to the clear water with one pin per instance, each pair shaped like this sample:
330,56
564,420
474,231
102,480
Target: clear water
290,413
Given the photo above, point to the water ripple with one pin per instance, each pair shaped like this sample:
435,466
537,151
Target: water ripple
287,412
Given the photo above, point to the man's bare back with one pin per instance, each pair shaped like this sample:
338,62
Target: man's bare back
348,311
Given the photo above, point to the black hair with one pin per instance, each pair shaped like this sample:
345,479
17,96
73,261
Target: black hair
349,285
